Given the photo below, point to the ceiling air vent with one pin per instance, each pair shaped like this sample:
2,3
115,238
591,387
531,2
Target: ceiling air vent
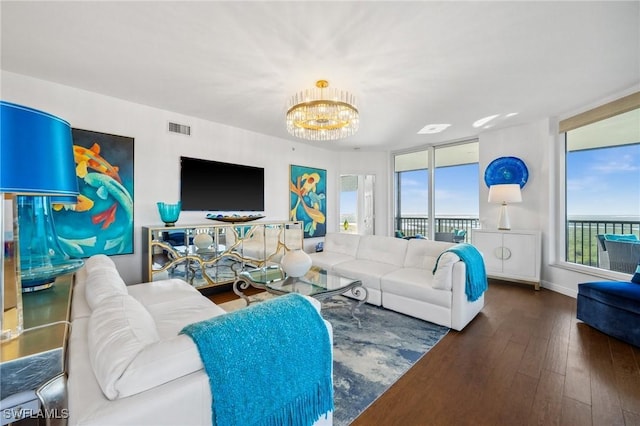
183,129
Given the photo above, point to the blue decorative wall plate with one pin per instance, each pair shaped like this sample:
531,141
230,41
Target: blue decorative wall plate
506,170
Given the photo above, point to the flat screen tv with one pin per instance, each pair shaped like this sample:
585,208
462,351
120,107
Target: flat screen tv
207,185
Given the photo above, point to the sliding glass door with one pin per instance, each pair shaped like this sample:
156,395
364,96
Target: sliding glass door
436,192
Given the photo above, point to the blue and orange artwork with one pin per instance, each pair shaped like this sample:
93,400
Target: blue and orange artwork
102,220
308,195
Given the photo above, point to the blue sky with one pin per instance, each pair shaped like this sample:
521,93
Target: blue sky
456,194
600,182
456,191
604,181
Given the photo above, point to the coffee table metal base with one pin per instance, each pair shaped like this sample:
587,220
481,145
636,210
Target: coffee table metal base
360,293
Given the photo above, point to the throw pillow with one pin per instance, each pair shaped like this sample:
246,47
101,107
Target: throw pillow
636,276
442,275
620,237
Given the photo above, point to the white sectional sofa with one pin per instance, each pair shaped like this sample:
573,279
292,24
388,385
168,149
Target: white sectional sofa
127,363
398,275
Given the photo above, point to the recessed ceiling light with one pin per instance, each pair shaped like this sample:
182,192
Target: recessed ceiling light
433,128
485,120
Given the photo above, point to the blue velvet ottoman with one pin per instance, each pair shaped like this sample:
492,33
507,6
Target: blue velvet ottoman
613,307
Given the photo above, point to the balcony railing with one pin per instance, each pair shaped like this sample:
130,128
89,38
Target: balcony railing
582,235
582,238
411,226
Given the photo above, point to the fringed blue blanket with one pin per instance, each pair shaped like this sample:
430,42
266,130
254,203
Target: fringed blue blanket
268,364
476,280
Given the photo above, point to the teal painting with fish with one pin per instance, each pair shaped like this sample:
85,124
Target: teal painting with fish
102,220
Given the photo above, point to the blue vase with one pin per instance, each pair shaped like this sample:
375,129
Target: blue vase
169,213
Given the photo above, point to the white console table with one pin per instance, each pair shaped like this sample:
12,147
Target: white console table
513,255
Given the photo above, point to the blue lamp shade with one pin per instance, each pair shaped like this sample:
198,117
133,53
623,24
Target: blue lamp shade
37,164
36,152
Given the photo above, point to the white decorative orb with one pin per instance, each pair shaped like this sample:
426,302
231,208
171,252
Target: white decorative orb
295,263
202,241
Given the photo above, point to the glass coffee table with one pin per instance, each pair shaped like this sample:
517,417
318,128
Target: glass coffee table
317,283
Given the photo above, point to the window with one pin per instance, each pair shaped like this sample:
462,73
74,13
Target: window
436,191
602,191
457,182
357,204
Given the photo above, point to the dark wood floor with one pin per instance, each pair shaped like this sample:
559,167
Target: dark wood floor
524,360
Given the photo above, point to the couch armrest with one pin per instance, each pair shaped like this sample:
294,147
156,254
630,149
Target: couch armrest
462,310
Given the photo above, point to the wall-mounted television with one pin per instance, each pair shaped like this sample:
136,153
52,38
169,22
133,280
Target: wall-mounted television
207,185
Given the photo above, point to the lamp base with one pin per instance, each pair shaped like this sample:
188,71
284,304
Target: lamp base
36,287
42,259
503,220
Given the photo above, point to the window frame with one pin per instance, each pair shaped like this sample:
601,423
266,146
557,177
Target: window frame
558,226
431,165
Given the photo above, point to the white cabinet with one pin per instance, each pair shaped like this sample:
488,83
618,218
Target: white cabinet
512,255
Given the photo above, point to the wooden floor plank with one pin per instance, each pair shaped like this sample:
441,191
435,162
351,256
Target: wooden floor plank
577,383
534,357
627,375
605,402
547,404
575,413
516,406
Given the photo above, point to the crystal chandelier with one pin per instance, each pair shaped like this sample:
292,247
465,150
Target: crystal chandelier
322,114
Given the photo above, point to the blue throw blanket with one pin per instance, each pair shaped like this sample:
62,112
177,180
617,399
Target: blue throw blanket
476,280
268,364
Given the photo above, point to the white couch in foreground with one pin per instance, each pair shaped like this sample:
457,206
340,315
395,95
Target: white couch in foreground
127,363
398,275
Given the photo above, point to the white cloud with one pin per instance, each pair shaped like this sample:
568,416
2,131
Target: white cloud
623,164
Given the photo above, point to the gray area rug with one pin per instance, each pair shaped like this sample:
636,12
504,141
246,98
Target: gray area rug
368,360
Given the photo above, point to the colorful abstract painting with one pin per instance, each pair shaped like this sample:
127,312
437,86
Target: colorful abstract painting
307,199
102,220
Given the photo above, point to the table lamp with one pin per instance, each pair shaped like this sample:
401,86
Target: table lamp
504,194
36,162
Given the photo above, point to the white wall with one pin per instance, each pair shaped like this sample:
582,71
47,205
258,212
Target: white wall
536,144
528,143
157,153
157,166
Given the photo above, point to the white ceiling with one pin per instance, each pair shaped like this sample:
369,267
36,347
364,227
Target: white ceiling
409,63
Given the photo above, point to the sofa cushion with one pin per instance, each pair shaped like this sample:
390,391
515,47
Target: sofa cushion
415,284
103,282
161,291
442,277
119,328
620,237
377,248
623,295
327,260
367,271
423,253
346,244
171,316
